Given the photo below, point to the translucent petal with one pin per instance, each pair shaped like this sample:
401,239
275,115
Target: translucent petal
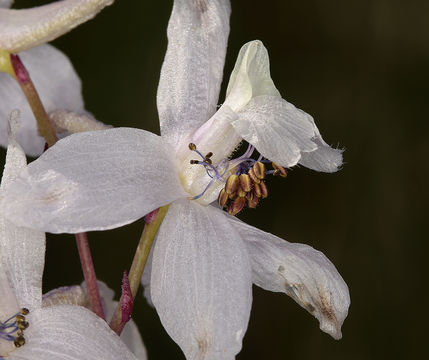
250,77
301,272
324,158
201,281
94,181
58,85
26,28
72,123
69,332
6,3
22,250
192,71
277,129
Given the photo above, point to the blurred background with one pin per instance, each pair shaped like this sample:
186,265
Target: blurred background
361,68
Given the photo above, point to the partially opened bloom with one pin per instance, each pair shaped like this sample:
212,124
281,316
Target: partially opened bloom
25,32
48,330
204,260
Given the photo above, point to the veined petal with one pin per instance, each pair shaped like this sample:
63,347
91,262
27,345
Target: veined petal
192,71
58,85
69,332
94,181
22,250
201,283
26,28
277,129
250,77
301,272
6,3
324,158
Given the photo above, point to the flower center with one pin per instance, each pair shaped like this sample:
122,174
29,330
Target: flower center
13,328
246,186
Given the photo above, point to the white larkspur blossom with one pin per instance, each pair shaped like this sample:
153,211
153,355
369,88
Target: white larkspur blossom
204,261
26,31
56,330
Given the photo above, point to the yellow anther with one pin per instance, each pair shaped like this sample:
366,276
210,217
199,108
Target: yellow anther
245,182
223,198
236,206
259,170
192,146
252,201
6,64
25,311
22,325
19,341
279,170
257,190
209,155
241,192
264,190
253,176
232,184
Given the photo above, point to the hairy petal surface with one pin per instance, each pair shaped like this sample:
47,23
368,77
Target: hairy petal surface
58,85
192,71
94,181
301,272
201,281
250,77
69,332
277,129
22,250
324,158
26,28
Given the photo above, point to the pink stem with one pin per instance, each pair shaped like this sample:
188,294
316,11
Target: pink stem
89,274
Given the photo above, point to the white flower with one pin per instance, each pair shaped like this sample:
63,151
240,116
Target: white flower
54,332
55,79
204,261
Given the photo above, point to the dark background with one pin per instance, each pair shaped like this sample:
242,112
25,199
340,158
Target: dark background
361,68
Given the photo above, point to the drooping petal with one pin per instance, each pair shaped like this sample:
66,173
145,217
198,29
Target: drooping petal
58,85
201,281
26,28
324,158
277,129
94,181
192,71
301,272
6,3
22,250
250,77
68,332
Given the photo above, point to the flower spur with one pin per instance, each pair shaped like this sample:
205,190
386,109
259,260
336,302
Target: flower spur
204,261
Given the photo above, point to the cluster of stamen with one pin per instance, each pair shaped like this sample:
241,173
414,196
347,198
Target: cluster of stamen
13,328
246,186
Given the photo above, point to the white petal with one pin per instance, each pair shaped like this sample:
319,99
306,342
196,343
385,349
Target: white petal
22,250
27,28
71,122
94,181
192,71
300,271
69,332
250,77
58,85
201,281
130,335
6,3
324,158
277,129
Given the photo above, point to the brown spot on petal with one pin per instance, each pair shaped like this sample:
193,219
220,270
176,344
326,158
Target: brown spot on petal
326,309
203,346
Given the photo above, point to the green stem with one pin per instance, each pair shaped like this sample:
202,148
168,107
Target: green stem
153,222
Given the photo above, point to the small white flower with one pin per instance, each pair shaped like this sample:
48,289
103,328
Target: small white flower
26,31
49,332
204,261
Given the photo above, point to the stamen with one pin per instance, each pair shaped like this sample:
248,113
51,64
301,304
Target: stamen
15,324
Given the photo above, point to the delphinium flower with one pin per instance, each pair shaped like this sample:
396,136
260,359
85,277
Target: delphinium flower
50,329
204,260
25,32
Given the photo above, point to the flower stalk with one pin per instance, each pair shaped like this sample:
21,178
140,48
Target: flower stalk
46,130
152,223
